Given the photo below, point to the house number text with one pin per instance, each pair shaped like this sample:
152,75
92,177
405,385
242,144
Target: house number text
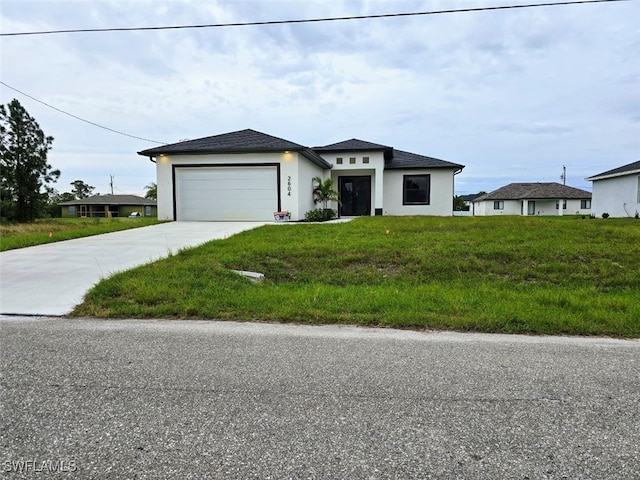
289,185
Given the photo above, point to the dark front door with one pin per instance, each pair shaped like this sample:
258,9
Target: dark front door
355,196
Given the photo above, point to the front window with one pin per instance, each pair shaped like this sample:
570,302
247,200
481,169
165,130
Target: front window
564,204
416,190
585,204
498,205
72,211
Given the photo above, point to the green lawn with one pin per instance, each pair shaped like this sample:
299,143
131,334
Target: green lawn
20,235
560,275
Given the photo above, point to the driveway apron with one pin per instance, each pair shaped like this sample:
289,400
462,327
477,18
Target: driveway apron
51,279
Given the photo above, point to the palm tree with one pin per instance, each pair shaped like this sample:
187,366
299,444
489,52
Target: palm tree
324,193
152,191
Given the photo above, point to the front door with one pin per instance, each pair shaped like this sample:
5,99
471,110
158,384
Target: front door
355,196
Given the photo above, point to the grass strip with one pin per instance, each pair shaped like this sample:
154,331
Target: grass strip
20,235
494,274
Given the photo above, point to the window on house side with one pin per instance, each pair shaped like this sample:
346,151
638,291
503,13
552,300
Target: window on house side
585,204
498,205
72,211
365,159
564,204
352,160
339,160
416,189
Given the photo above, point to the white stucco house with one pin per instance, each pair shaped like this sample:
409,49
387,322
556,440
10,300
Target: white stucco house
617,191
534,199
249,175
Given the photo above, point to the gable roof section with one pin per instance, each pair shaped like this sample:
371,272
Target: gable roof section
111,200
535,191
242,141
353,145
471,197
394,159
617,172
408,160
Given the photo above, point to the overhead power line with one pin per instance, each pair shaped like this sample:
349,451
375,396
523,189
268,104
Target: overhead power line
79,118
310,20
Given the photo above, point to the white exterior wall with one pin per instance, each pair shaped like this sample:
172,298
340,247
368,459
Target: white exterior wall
485,208
375,169
520,207
617,196
291,165
440,196
304,188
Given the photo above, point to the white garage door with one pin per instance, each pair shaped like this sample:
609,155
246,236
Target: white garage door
226,193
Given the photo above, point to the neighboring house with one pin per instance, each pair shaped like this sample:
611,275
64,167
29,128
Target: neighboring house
249,175
617,191
109,206
534,199
468,203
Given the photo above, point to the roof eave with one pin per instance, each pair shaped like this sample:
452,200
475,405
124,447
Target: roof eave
613,175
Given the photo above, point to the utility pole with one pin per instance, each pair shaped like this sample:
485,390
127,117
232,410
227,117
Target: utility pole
111,183
564,175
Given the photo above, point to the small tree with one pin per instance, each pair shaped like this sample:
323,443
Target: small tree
323,192
81,190
152,191
458,204
24,171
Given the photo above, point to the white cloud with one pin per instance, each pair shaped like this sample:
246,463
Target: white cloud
513,95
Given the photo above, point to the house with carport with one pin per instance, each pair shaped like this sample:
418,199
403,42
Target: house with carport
617,191
249,175
539,198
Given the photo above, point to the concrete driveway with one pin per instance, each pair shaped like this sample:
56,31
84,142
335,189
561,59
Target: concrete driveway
51,279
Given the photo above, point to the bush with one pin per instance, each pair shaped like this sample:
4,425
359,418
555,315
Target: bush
320,215
605,215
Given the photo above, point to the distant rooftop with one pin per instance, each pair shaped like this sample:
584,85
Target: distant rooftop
533,191
111,200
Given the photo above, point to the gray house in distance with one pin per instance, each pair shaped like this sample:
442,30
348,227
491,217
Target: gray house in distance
109,206
534,199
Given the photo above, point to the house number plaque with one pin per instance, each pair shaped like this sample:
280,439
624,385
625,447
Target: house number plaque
289,185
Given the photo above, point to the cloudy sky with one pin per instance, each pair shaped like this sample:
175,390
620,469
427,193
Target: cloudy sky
513,94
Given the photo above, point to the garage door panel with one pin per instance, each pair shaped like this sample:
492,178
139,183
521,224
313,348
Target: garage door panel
226,193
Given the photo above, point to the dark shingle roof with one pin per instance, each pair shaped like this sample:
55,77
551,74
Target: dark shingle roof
406,160
394,159
532,191
111,200
624,170
242,141
352,145
471,197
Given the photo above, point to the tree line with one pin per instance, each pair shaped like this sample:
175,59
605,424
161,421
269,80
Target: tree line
26,177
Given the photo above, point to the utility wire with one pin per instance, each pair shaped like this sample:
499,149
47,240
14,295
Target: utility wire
311,20
81,119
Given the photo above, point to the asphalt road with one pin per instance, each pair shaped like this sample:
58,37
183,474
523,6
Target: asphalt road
196,399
